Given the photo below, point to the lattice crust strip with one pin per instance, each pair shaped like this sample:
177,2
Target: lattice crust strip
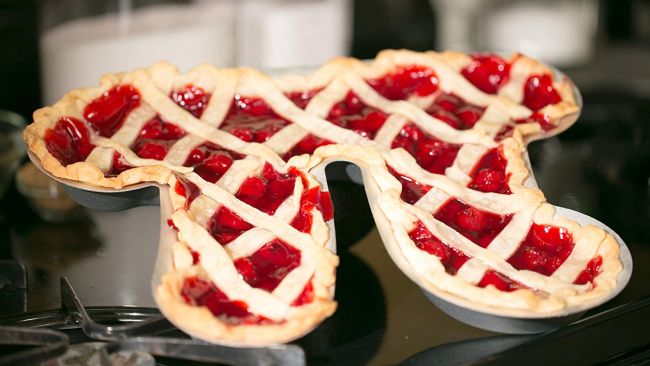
441,140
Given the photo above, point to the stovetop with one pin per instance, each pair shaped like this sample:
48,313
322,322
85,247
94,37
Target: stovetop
600,167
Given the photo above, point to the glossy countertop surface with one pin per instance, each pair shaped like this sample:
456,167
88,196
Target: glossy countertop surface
599,167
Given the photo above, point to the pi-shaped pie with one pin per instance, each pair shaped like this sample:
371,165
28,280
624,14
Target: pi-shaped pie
441,140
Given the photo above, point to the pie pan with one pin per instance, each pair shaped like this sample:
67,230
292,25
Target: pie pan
381,188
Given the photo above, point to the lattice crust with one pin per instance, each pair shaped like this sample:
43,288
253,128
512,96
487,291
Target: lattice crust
425,148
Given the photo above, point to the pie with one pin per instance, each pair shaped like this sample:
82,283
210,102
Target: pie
441,140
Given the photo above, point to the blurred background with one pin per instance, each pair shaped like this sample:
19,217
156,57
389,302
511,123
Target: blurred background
601,166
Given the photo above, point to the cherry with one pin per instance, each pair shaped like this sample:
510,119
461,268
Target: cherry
539,92
487,72
543,250
107,113
268,266
68,141
192,98
406,81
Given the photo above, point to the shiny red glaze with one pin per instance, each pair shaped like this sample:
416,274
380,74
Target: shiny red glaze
302,98
196,257
489,174
155,139
107,113
351,113
455,112
68,141
252,119
171,224
192,98
210,161
306,146
118,165
545,248
412,190
198,292
269,265
487,72
310,199
590,272
479,226
539,92
306,296
431,154
406,81
451,258
500,281
187,189
542,119
269,190
226,226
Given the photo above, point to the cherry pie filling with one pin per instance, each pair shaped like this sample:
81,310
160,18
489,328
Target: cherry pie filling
452,259
310,142
455,112
155,139
353,114
406,81
68,141
489,174
430,153
487,72
191,98
199,292
211,161
539,92
545,248
252,119
269,265
412,190
106,114
479,226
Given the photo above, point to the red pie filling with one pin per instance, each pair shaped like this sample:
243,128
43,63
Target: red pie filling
302,98
351,113
68,141
310,199
545,248
590,272
451,258
107,113
306,296
489,174
155,139
539,92
269,190
406,81
306,146
268,266
412,190
487,72
192,98
198,292
187,189
210,161
431,154
226,226
543,120
118,165
479,226
500,281
252,119
455,112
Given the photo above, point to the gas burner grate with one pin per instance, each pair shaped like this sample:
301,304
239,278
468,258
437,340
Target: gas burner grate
137,340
